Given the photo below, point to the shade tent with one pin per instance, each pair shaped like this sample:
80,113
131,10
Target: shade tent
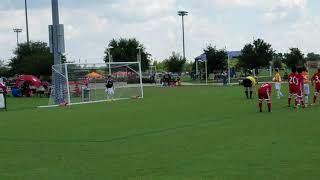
231,55
94,75
32,80
202,58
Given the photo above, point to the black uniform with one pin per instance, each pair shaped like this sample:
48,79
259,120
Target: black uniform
109,84
247,82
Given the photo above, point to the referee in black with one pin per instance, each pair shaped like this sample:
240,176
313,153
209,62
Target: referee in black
249,83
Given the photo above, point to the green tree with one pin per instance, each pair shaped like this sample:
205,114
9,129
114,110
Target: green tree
277,60
160,65
313,57
175,63
255,55
126,50
4,70
294,58
217,59
189,66
34,59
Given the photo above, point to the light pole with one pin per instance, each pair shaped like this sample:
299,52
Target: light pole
56,39
27,23
17,30
109,56
139,54
182,14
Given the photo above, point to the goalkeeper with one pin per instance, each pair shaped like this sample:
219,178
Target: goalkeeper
109,88
249,84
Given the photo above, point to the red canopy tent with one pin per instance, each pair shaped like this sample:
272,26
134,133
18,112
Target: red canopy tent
33,81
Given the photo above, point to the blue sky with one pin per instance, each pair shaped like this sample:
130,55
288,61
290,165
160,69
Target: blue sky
91,24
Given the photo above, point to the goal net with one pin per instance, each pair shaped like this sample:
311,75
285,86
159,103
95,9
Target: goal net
86,83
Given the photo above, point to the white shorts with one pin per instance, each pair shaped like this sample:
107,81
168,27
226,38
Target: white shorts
110,91
278,86
306,89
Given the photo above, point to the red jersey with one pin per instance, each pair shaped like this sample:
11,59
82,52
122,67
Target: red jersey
265,88
295,82
265,91
316,79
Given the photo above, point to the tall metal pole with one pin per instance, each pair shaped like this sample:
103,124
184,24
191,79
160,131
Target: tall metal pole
110,58
27,23
17,38
109,54
55,23
229,72
197,71
184,49
17,30
182,14
58,79
206,66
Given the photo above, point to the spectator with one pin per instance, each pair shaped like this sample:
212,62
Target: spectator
179,80
3,87
224,78
25,89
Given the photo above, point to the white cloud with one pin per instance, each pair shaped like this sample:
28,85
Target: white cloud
143,8
155,23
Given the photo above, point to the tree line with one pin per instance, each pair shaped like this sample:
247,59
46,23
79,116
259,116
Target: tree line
36,58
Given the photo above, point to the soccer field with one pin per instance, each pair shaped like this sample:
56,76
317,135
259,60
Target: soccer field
172,134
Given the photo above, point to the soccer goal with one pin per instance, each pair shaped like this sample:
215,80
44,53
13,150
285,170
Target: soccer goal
86,83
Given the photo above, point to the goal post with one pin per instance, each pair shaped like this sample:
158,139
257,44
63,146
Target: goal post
86,83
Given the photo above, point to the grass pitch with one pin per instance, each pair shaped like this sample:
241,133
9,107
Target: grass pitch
172,134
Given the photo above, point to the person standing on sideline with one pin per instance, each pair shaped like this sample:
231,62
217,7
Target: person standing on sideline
109,88
277,79
295,81
316,84
306,87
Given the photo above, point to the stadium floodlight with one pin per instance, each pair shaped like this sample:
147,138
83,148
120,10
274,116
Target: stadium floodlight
17,30
81,88
182,14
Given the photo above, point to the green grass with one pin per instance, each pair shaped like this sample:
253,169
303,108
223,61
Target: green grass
172,134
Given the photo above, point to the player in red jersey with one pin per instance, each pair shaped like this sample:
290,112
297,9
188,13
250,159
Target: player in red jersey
316,84
295,87
265,94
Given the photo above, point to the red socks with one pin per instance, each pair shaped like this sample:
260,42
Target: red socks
269,106
295,102
260,106
289,102
302,104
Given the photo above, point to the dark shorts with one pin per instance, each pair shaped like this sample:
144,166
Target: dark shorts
263,96
247,83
